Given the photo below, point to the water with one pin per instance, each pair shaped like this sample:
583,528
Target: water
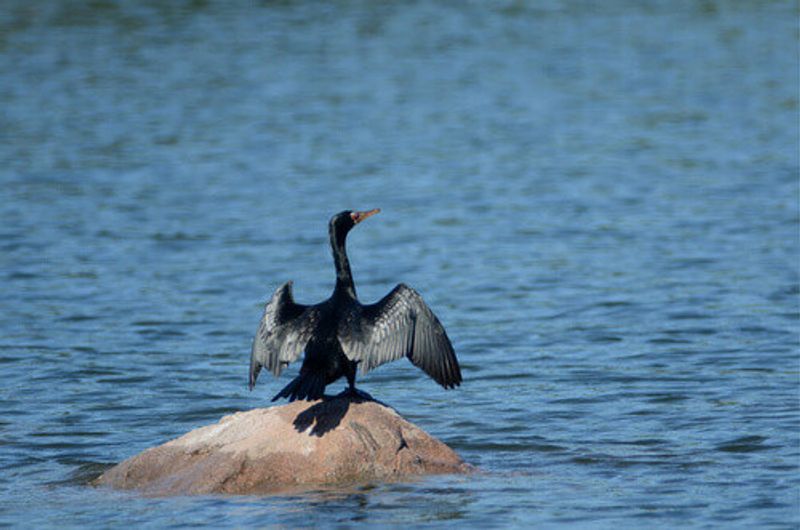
599,202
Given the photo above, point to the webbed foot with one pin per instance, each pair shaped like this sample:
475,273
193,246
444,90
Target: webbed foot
355,393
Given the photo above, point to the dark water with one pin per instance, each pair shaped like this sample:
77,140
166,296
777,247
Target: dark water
600,201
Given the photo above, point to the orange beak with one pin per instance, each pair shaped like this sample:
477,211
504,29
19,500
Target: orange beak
360,216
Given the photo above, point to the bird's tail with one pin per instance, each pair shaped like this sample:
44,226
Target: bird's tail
308,386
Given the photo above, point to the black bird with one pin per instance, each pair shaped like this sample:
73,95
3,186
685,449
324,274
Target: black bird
340,333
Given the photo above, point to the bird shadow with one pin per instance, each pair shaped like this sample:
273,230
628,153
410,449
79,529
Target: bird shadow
326,414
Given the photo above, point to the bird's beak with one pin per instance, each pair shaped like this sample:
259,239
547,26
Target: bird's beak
360,216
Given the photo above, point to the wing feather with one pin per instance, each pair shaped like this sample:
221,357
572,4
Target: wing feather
400,325
282,334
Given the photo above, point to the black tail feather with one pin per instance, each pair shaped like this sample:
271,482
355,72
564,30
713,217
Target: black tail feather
309,387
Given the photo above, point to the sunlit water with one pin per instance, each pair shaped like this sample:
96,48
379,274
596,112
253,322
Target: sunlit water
599,201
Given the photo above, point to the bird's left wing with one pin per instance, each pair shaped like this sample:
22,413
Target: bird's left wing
282,334
400,324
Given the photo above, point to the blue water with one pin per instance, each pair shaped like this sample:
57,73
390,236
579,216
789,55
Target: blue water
599,200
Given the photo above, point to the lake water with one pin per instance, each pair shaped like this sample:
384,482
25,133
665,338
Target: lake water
599,200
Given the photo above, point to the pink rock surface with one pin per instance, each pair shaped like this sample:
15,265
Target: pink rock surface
302,444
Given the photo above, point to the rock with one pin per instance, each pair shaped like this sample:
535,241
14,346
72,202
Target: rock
302,444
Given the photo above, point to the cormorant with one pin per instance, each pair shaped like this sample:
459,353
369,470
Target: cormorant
340,333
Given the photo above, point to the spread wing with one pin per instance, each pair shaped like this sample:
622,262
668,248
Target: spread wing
283,333
400,324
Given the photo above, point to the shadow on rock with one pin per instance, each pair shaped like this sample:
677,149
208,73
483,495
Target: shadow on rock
327,414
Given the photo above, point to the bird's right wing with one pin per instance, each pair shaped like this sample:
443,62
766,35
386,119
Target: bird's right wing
400,324
283,333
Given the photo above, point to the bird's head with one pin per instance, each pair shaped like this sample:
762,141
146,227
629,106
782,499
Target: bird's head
343,222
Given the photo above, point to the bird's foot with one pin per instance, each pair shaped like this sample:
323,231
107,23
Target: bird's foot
355,393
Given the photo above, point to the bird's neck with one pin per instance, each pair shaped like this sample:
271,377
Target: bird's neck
344,278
